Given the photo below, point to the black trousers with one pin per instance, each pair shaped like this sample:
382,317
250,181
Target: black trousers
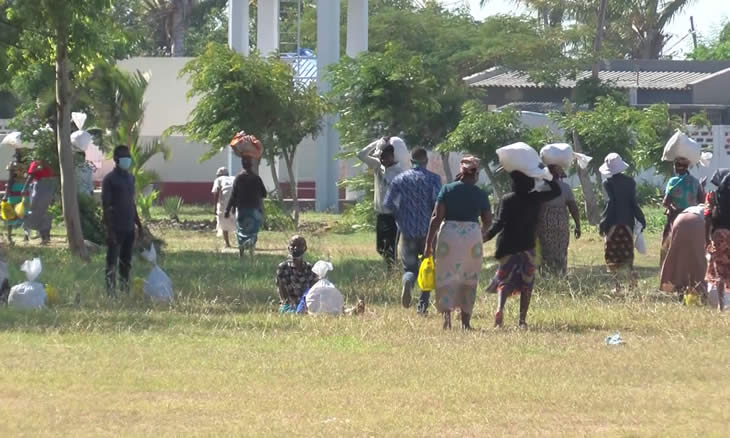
386,232
119,253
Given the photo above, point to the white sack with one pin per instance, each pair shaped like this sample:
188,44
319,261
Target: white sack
681,146
323,297
158,286
81,140
522,157
79,120
713,299
29,294
15,141
562,154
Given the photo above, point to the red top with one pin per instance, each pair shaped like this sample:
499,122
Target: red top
40,170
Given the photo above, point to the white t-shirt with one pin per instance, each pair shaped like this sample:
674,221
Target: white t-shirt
225,185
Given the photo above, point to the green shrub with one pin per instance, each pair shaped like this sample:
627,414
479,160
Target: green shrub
172,207
649,194
277,219
145,203
357,217
91,215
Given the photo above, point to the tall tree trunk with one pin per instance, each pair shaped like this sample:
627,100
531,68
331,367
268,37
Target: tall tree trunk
178,29
69,195
589,195
275,178
447,167
289,160
599,39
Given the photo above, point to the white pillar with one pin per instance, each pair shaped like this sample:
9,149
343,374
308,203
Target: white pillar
328,144
357,27
238,42
357,42
238,26
267,27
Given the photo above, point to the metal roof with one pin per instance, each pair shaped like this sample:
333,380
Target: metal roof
651,80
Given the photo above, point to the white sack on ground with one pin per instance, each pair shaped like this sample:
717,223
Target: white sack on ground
29,294
323,297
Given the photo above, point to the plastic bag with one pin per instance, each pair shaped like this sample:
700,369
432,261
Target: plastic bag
81,140
6,211
522,157
681,146
29,294
158,285
20,210
639,243
713,300
245,145
324,297
52,297
427,275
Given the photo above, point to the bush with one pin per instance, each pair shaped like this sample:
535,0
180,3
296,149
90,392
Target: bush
172,207
277,219
145,203
91,215
360,216
649,195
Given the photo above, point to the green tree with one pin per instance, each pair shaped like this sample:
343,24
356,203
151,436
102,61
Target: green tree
254,94
481,133
717,49
55,34
116,100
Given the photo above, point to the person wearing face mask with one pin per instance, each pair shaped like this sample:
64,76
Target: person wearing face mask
380,156
120,218
41,183
294,276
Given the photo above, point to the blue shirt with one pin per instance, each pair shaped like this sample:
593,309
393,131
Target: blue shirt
411,198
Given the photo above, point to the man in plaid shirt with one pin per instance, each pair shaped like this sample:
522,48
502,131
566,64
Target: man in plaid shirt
294,276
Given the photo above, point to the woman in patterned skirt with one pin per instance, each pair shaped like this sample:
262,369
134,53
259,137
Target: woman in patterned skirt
459,207
516,225
619,216
553,228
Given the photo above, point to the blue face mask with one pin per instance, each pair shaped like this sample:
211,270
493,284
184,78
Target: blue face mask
125,163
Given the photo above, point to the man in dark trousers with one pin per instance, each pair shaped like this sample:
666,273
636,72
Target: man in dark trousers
120,217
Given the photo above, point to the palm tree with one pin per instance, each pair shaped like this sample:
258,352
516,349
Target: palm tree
169,18
649,19
117,102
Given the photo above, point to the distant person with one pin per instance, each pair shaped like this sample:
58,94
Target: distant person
380,156
247,201
41,183
14,190
619,217
683,191
120,218
294,276
553,229
717,238
685,265
516,225
412,197
222,189
458,255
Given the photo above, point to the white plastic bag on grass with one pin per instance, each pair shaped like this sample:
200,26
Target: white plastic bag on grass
157,285
324,297
29,294
639,239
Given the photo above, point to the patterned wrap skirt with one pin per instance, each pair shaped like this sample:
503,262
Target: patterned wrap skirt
718,270
458,262
248,221
516,274
553,231
619,248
